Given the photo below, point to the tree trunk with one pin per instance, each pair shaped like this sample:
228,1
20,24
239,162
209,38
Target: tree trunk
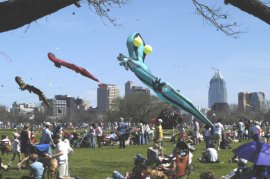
17,13
253,7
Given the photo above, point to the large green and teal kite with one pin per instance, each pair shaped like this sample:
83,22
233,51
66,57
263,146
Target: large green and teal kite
166,92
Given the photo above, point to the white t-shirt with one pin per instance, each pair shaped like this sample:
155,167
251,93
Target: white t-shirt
241,126
98,131
212,154
16,146
218,128
62,146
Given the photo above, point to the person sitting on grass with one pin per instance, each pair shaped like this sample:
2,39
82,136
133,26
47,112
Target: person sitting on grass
207,175
210,155
155,155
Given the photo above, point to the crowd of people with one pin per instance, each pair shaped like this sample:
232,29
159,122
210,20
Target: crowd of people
173,165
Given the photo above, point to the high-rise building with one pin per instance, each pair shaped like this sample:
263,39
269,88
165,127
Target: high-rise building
130,88
217,91
252,102
106,97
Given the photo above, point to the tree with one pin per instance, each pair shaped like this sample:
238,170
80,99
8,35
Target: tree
216,17
140,106
12,12
17,13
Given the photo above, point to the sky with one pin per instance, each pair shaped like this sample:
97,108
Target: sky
185,48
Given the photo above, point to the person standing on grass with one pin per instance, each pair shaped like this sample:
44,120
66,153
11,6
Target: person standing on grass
46,136
218,130
16,148
256,131
122,131
92,131
196,130
63,150
99,134
159,132
207,135
141,133
147,133
25,140
241,130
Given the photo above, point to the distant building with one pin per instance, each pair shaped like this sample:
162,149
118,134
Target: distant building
252,102
217,91
82,104
128,88
4,108
64,107
22,109
106,97
131,88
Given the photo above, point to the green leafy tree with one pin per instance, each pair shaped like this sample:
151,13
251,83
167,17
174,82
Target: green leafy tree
140,106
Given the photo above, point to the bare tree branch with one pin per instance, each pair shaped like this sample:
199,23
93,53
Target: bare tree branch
17,13
216,17
255,7
102,7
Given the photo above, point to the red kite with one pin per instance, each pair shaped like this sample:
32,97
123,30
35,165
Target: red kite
58,63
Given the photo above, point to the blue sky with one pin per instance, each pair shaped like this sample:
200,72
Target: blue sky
184,49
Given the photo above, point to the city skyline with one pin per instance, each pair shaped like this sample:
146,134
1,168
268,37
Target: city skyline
185,49
123,95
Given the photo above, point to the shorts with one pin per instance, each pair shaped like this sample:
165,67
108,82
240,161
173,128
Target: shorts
218,137
63,170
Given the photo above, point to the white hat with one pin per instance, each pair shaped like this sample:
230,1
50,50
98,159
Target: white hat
159,120
48,124
121,119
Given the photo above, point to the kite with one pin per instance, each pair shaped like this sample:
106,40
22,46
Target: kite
24,86
58,63
166,92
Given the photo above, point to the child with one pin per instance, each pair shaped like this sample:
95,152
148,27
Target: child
36,168
5,145
16,150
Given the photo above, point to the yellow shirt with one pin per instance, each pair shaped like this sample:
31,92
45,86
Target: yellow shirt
159,132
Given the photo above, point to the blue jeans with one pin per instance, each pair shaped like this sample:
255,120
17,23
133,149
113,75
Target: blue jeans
93,141
207,141
147,138
141,139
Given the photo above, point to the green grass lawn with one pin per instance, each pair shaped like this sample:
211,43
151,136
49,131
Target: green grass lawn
99,163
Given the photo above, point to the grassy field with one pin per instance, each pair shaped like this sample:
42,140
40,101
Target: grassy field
99,163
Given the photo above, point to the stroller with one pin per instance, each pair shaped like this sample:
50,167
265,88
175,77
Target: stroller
50,164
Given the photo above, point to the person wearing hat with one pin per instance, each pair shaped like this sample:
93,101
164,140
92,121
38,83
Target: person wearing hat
122,131
16,148
46,136
159,132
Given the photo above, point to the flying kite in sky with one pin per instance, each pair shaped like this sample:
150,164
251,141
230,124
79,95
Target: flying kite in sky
24,86
166,92
58,63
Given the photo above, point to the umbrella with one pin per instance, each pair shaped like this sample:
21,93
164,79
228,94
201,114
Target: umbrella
256,152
